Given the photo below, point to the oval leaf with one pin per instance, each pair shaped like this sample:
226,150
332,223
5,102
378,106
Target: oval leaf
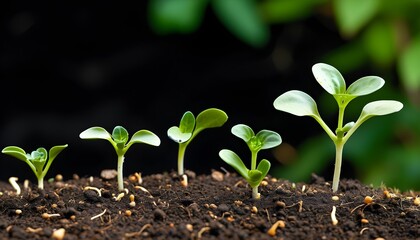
365,85
120,135
243,131
268,139
378,108
234,161
145,136
187,123
297,103
16,152
264,167
177,135
210,118
329,78
95,133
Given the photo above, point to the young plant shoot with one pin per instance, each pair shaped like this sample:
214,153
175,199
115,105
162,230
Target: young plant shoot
264,139
38,160
119,140
301,104
189,127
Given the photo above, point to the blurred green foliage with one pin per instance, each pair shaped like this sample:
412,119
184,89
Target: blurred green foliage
383,34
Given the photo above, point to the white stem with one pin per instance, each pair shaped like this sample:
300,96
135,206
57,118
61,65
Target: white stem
120,173
337,168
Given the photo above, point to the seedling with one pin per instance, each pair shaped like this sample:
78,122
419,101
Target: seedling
189,127
264,139
301,104
37,160
119,140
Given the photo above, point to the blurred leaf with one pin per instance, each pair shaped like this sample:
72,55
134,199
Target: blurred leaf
380,43
242,19
353,15
408,65
176,16
280,11
347,57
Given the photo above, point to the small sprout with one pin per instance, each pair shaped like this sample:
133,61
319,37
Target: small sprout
48,216
273,229
189,127
119,197
119,140
99,215
38,160
301,104
13,182
264,139
333,217
93,188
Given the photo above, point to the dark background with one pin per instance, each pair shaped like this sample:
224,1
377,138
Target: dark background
68,66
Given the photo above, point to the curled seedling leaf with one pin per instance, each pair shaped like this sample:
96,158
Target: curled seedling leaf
264,139
39,160
189,127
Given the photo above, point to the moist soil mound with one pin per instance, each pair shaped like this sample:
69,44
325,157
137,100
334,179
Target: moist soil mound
213,206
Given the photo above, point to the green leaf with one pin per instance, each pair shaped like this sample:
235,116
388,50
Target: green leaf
177,135
264,167
254,178
378,108
242,19
16,152
54,151
176,16
120,136
234,161
408,65
365,85
187,122
353,15
96,133
269,139
329,78
210,118
281,11
243,131
297,103
145,136
380,43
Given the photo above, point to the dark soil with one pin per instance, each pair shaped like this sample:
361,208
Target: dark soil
209,208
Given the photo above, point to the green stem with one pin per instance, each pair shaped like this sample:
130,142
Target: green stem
337,168
181,154
253,160
120,172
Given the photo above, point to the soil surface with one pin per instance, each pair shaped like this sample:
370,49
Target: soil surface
214,206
